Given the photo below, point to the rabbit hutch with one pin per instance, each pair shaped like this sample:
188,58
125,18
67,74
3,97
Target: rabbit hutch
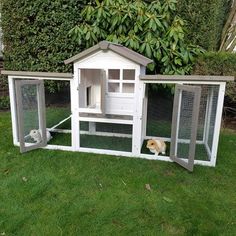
115,109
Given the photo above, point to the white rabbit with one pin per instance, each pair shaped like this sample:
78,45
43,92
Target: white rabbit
156,146
36,135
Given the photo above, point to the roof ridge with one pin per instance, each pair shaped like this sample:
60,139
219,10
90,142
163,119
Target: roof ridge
117,48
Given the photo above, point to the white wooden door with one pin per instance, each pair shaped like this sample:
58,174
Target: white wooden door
184,125
30,102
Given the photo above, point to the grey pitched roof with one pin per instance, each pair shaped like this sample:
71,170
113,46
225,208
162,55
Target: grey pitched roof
119,49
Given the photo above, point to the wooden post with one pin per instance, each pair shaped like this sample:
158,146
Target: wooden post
216,134
13,109
92,127
74,93
137,119
144,116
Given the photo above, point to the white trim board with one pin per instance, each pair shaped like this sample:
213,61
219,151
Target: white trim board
106,120
119,153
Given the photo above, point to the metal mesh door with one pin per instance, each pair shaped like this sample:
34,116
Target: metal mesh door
184,125
31,114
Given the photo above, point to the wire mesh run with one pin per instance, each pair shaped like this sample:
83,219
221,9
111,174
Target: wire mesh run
58,112
159,118
159,112
185,124
106,136
30,113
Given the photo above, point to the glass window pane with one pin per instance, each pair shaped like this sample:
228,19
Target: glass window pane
128,88
128,74
114,74
113,87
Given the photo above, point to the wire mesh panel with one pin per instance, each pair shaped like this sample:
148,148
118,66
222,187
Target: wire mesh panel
58,114
212,106
206,120
184,125
31,114
159,111
106,136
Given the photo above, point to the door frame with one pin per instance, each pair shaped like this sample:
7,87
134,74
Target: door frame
41,114
196,90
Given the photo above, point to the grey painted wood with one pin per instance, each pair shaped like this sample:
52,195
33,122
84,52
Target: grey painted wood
106,45
20,115
187,78
174,132
82,54
38,74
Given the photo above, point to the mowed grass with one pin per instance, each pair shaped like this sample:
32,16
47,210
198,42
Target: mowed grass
47,192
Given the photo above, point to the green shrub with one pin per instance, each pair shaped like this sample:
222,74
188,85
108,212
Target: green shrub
205,20
35,34
4,102
218,63
152,29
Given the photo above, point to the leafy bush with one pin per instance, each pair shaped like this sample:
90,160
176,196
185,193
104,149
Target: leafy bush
205,20
220,63
151,29
4,102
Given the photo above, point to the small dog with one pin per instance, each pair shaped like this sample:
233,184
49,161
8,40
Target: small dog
36,135
156,146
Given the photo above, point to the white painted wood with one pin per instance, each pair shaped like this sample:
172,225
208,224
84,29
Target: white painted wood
119,105
107,134
206,119
61,122
169,139
90,79
59,147
217,125
74,110
145,104
106,59
144,115
138,111
63,131
106,120
208,115
106,152
90,110
92,128
120,154
208,151
13,109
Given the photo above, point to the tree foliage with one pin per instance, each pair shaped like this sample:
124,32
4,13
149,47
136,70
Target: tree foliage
218,63
152,29
205,20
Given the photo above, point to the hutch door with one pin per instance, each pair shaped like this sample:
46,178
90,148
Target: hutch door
184,125
30,103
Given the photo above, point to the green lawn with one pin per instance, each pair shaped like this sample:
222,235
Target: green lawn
46,192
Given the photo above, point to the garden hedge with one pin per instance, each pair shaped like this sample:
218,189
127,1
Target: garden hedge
35,33
205,20
218,63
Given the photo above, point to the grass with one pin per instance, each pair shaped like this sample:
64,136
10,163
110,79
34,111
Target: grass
49,192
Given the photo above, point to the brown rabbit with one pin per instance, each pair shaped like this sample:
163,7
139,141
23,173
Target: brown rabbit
156,146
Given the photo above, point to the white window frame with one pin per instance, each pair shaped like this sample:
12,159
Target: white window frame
121,81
